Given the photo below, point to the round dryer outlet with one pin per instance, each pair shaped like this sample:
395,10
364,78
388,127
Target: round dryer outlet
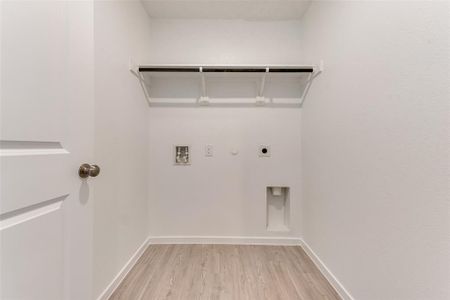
264,151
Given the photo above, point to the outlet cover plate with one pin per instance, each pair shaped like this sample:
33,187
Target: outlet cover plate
209,150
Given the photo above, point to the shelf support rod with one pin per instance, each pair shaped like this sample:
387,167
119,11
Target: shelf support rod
144,88
134,69
260,98
204,100
203,82
314,74
305,91
263,83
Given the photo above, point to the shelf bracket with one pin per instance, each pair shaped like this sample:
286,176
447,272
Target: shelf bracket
143,84
134,69
204,99
260,99
317,71
305,90
263,83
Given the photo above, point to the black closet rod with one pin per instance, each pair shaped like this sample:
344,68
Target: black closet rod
226,70
293,70
168,69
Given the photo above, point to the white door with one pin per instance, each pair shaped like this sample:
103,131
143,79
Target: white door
46,133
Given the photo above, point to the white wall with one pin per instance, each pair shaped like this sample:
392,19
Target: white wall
225,42
223,195
376,146
121,147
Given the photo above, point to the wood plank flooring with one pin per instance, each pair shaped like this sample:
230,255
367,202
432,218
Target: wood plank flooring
224,272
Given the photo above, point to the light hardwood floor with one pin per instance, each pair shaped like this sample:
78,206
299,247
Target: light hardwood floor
224,272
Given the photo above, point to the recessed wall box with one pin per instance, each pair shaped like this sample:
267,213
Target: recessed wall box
278,208
182,156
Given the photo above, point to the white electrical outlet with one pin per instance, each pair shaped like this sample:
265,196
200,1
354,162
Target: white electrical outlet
209,150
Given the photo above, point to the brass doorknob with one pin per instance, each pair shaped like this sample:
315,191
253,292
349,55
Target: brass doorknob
87,170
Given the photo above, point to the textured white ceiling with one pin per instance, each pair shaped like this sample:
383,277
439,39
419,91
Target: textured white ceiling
227,9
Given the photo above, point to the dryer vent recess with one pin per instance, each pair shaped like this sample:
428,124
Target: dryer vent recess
264,151
278,208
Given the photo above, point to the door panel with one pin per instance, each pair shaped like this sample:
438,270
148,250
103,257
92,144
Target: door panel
34,69
46,132
28,179
32,255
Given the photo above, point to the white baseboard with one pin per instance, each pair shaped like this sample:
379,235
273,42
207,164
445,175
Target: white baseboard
340,289
225,240
123,272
